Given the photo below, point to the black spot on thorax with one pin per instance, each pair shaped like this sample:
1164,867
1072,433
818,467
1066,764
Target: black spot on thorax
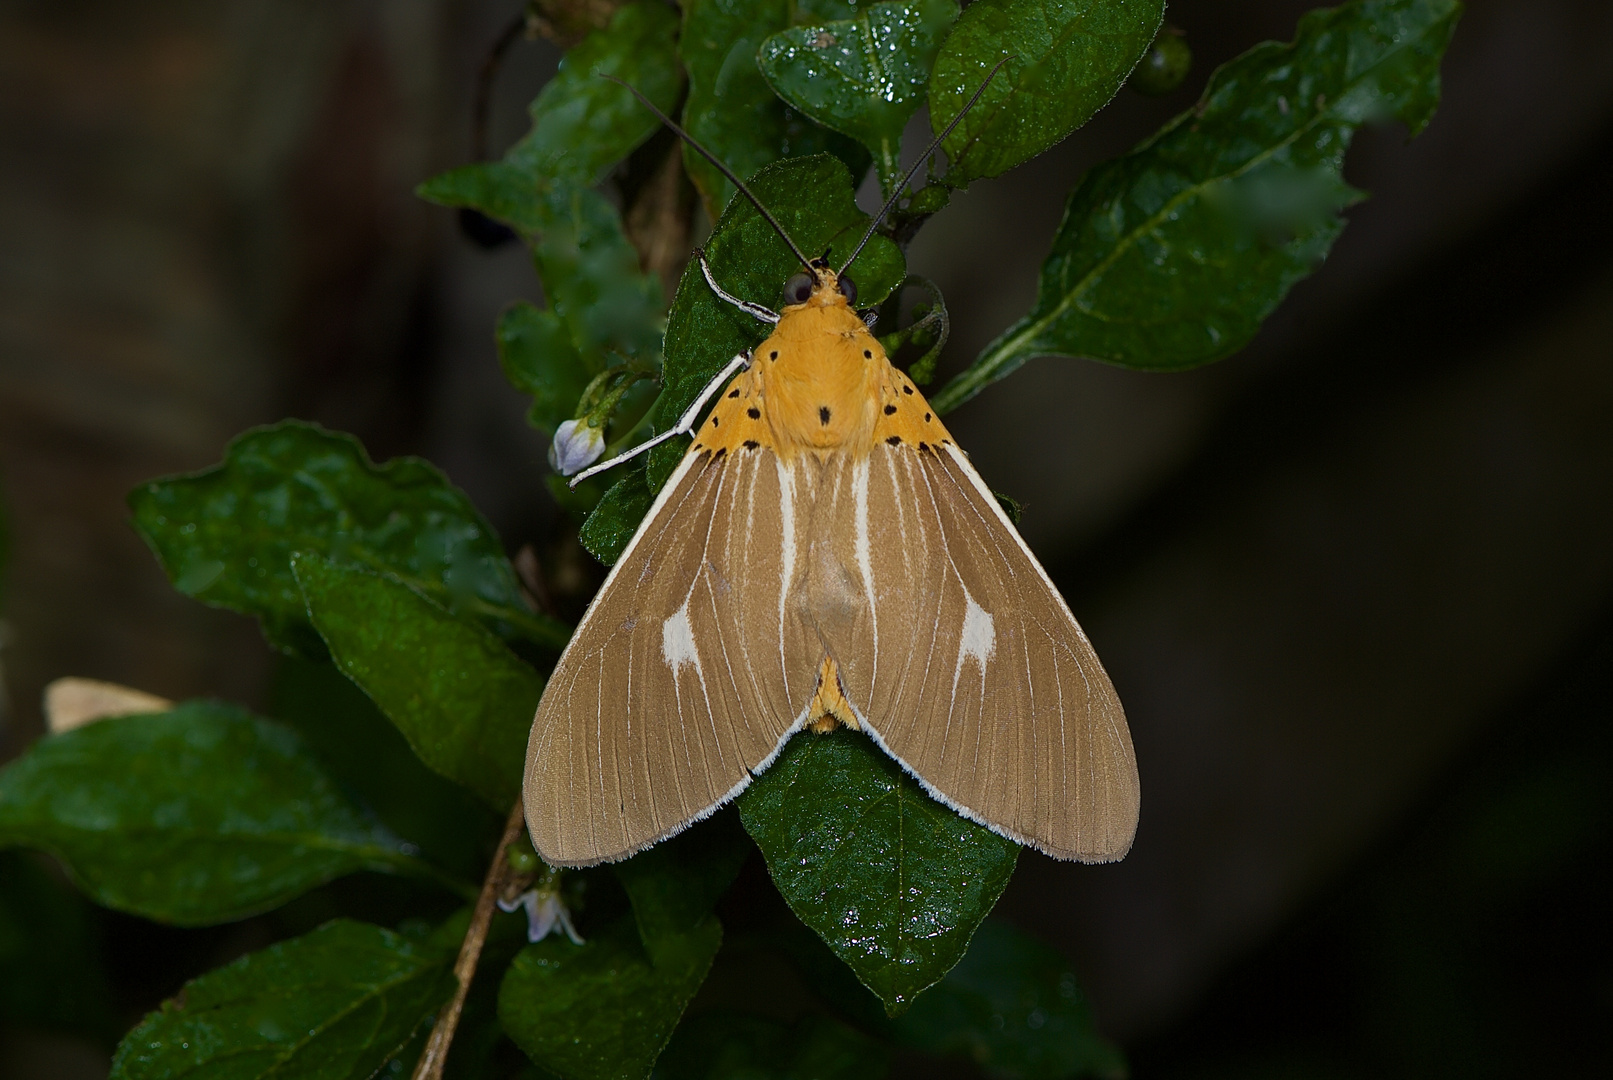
823,415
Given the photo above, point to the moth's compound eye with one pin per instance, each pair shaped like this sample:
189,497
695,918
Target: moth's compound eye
848,289
798,290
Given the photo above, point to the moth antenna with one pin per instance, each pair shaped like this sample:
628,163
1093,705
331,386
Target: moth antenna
725,170
934,143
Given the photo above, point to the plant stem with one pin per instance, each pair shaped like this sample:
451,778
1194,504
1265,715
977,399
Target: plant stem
435,1055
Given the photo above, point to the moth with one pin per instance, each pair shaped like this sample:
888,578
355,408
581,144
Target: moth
825,555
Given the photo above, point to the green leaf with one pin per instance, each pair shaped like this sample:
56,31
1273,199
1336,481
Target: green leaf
582,124
730,107
200,815
1066,59
1173,255
538,356
674,884
364,752
462,699
601,1010
1012,1006
864,76
814,200
741,1046
499,189
50,957
604,306
330,1005
894,882
225,535
591,276
612,524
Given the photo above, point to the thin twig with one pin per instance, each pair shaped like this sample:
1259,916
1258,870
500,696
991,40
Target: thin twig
435,1055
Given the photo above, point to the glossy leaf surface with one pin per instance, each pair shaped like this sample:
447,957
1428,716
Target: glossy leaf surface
730,107
200,815
741,1046
863,76
225,535
463,701
814,201
1066,59
1012,1006
893,881
330,1005
1173,255
601,1010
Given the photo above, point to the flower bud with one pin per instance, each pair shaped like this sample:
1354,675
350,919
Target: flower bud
544,912
576,445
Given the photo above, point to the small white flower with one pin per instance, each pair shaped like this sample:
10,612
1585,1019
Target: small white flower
576,445
544,911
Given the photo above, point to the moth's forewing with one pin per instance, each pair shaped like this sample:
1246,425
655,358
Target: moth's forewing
968,666
684,675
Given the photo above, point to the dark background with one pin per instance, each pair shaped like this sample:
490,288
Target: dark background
1355,585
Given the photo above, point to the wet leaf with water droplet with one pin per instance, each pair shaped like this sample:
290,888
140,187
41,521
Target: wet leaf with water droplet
864,76
1066,59
893,881
730,107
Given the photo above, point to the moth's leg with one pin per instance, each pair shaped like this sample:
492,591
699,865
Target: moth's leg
869,317
754,310
685,423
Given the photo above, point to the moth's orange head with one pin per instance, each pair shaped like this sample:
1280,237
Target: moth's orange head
819,287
